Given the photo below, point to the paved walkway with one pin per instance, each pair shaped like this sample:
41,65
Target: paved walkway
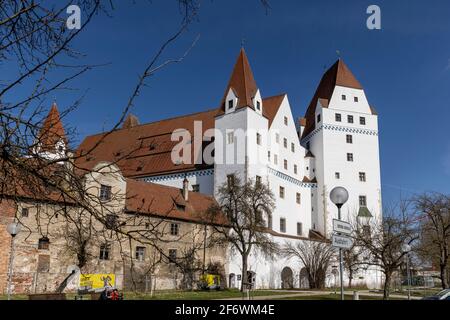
284,294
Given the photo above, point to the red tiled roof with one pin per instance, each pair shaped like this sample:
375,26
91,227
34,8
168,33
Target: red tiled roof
145,150
271,106
242,82
52,130
167,202
338,75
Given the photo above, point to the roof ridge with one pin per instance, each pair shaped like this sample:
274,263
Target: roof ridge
157,121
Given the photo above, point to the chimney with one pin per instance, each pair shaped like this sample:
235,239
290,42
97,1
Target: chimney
186,189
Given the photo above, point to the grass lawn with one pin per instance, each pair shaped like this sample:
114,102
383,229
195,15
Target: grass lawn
14,297
333,297
194,295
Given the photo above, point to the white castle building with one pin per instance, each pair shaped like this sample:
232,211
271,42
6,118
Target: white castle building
302,159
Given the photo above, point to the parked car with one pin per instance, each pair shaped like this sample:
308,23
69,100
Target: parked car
443,295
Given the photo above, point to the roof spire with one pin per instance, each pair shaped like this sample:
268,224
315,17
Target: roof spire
338,75
52,130
242,82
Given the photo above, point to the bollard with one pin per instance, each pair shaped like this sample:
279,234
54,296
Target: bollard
355,295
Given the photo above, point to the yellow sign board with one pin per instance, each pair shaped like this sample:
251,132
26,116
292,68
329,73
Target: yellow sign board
97,280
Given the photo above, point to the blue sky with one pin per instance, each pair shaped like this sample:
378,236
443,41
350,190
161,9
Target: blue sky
405,69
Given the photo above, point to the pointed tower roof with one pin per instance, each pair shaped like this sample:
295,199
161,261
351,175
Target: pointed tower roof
338,75
242,82
130,122
52,130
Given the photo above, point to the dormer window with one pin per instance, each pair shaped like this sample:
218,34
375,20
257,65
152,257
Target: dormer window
105,193
356,99
230,104
258,105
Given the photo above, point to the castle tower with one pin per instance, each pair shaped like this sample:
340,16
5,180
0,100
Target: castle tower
241,141
341,130
51,142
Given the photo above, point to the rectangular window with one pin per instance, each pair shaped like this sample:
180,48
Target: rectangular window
105,192
362,176
111,221
43,244
230,104
356,99
295,169
350,157
362,201
24,212
286,121
277,138
299,228
174,228
285,164
172,255
195,188
344,97
349,138
318,118
268,156
337,175
285,143
258,139
362,121
350,119
230,137
140,253
282,225
105,251
275,159
298,198
282,192
258,105
338,117
292,147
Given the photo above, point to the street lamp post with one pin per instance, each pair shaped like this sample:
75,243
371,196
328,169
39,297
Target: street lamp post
13,229
407,248
339,197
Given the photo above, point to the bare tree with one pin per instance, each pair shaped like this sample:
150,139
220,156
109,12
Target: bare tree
245,206
434,245
316,257
383,241
351,259
37,47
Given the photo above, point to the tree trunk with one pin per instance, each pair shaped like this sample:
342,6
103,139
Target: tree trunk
443,276
387,285
244,271
350,278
